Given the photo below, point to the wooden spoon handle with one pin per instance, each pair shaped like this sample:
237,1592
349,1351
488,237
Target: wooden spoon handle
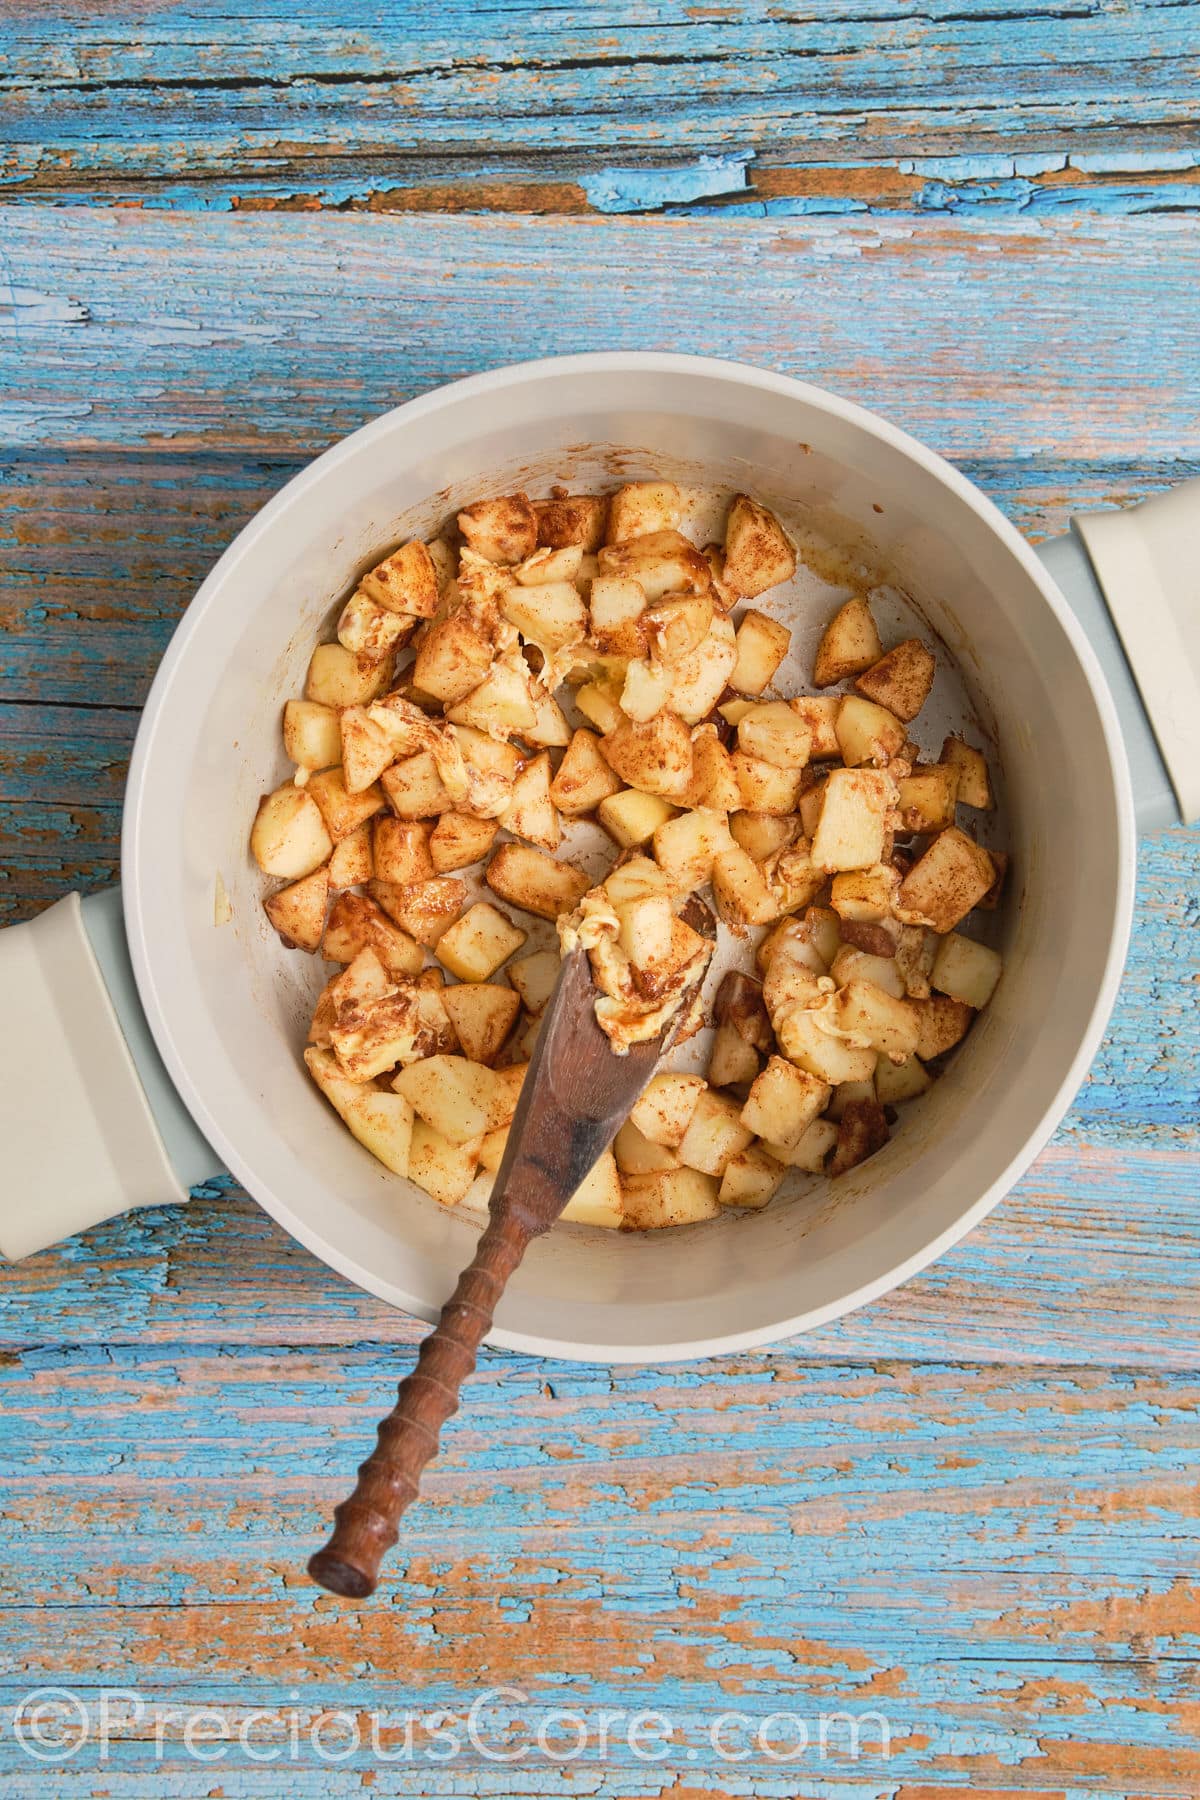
366,1523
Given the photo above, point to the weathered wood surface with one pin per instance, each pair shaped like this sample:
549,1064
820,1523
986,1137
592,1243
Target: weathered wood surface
1039,105
971,1507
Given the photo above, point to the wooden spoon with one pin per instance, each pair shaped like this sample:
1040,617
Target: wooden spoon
575,1098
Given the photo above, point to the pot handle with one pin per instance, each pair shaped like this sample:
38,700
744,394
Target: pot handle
1133,579
91,1122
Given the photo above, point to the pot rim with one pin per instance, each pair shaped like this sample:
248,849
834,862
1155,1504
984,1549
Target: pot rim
137,851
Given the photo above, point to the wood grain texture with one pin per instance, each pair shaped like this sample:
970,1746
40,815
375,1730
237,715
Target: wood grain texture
516,106
971,1507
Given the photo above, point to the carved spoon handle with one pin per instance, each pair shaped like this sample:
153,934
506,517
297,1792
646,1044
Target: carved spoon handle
367,1523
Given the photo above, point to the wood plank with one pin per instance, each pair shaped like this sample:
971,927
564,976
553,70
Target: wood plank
1091,1261
270,107
758,1534
268,330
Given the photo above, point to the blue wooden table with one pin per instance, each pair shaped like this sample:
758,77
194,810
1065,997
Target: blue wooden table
946,1547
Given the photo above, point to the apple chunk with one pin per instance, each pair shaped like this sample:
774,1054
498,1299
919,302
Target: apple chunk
450,1093
665,1110
715,1133
965,970
751,1178
289,837
482,1014
534,881
901,680
382,1123
474,947
298,911
669,1197
952,877
850,645
783,1102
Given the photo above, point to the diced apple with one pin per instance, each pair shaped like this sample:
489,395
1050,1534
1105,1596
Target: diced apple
357,923
363,980
457,840
965,970
637,1154
368,631
663,562
952,877
492,1148
687,846
655,757
337,679
862,1131
762,644
550,565
450,1093
847,1091
773,732
809,808
535,882
761,835
549,730
479,771
370,1038
664,1112
631,817
584,778
598,1199
312,734
289,837
645,691
531,813
927,797
974,786
382,1123
850,645
366,750
298,911
733,1061
678,625
742,895
783,1102
425,909
482,1014
534,978
445,1170
868,1012
501,704
714,786
831,1059
454,658
819,712
415,790
812,1152
764,787
405,582
898,1082
758,552
864,895
849,832
641,507
352,863
600,703
506,1091
851,964
715,1133
400,849
505,529
700,678
942,1023
901,680
614,603
572,519
669,1197
474,948
867,733
552,615
751,1178
635,879
343,811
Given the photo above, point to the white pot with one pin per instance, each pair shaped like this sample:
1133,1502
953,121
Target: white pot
226,1005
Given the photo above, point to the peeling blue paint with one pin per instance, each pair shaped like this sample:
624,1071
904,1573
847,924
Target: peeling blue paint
649,189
